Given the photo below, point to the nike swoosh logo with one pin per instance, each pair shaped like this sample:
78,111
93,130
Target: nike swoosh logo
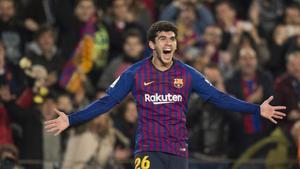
148,83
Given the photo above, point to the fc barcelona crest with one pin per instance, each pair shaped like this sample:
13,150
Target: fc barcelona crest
178,83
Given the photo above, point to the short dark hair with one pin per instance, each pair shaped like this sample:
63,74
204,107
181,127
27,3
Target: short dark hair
160,26
187,6
132,33
43,29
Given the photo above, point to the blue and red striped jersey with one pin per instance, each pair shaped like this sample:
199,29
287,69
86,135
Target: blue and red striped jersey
162,103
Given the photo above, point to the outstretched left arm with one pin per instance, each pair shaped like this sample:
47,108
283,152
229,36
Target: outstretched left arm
208,92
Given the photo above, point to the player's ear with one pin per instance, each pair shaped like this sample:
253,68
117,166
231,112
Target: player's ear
151,45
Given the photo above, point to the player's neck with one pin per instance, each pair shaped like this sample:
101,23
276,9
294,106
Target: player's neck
160,65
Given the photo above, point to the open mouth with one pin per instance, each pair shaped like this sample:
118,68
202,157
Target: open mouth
167,50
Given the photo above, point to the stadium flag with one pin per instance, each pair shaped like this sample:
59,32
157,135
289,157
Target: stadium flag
81,60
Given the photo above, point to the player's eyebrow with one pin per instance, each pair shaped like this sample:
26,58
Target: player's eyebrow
164,37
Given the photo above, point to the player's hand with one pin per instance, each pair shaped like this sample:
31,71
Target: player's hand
59,124
271,112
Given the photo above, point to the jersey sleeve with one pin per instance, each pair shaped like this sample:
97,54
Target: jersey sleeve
117,91
209,93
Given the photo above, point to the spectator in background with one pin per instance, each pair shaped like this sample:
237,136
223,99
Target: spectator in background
11,91
295,132
265,15
277,150
6,136
64,102
287,90
227,20
203,15
133,49
186,22
74,23
13,82
126,122
35,143
159,7
119,22
211,41
209,127
247,35
292,27
226,64
277,48
95,145
5,123
51,146
9,157
252,84
37,13
43,51
12,31
242,8
80,97
10,74
285,39
292,15
200,60
89,50
139,13
68,26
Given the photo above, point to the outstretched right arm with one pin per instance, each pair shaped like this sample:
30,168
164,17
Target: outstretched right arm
115,93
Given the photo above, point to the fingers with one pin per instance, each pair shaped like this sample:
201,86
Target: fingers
50,122
52,129
279,107
277,117
279,113
269,99
273,120
59,112
58,132
50,126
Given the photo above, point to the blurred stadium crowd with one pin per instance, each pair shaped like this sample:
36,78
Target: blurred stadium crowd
64,53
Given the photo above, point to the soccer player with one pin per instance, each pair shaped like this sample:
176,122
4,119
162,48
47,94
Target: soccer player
161,86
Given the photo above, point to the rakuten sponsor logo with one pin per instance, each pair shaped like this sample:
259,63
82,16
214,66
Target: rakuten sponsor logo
162,99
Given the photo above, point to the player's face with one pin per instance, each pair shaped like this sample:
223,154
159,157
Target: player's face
164,46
